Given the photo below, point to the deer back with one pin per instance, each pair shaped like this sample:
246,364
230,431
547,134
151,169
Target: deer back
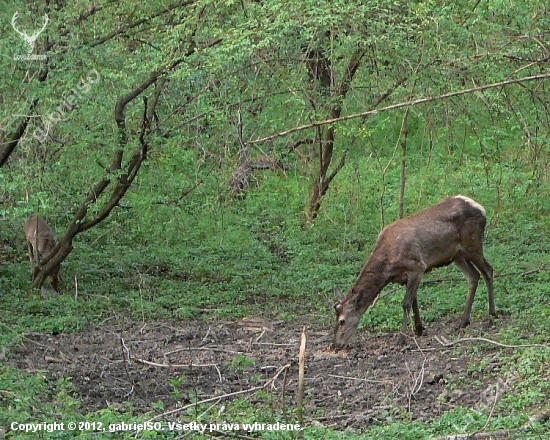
39,235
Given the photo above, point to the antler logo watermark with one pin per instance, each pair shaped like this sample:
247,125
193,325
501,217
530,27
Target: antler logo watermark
29,39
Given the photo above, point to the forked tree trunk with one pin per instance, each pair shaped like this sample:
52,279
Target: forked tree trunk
322,74
125,173
79,224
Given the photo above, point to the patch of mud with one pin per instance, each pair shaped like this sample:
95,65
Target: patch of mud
179,363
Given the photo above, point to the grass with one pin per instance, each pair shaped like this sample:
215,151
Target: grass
252,256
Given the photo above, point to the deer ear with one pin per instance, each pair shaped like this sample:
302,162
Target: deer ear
338,293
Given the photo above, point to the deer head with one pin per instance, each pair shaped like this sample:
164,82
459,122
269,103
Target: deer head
347,319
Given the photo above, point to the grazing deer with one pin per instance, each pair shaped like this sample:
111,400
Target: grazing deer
40,240
450,231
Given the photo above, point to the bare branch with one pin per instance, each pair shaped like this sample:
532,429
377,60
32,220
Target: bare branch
411,103
139,22
447,343
211,399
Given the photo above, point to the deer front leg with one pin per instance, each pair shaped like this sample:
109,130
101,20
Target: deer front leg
410,302
472,275
417,321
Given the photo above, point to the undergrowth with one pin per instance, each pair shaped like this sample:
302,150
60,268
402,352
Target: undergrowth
205,257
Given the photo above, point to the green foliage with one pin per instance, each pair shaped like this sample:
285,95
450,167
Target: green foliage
240,363
176,382
30,397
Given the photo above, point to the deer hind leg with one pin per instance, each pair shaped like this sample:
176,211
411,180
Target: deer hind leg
31,253
410,302
487,271
472,275
473,252
34,257
54,279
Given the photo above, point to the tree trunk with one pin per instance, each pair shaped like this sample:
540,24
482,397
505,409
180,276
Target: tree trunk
124,179
404,133
321,72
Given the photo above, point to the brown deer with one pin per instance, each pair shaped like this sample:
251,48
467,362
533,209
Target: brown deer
450,231
40,240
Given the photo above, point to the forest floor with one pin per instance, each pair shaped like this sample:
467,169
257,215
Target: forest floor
193,360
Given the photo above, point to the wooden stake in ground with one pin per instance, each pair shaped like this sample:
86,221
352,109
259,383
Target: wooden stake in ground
301,367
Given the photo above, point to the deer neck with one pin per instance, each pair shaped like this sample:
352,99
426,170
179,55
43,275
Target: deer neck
371,281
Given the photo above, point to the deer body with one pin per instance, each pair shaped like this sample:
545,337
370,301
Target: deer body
450,231
40,241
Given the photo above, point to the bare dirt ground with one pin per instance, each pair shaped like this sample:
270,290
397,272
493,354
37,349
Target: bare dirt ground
373,381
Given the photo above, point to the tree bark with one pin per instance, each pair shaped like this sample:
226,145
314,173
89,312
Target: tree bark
322,72
403,134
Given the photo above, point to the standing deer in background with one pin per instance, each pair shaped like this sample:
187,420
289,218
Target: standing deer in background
450,231
40,240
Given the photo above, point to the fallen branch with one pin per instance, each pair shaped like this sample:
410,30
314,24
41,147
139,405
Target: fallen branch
273,344
447,343
452,279
399,105
272,380
359,378
508,274
214,348
215,433
499,433
301,370
417,381
155,364
223,396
